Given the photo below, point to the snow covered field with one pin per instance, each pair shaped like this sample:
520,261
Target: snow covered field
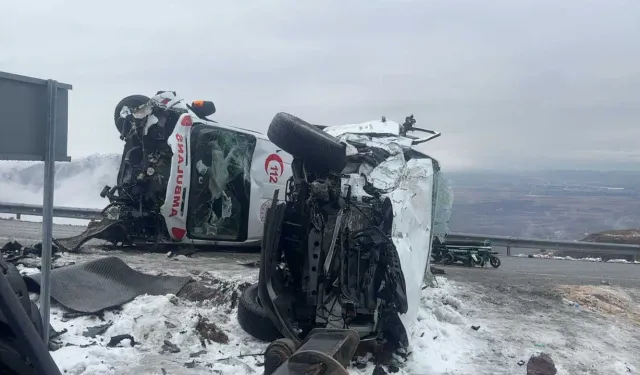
512,324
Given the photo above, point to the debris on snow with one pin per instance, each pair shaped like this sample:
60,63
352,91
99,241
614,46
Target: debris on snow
169,347
209,331
97,330
541,365
115,340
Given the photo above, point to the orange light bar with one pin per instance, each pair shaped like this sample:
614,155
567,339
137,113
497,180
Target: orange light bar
198,103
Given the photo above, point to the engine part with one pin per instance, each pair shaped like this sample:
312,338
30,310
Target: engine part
324,352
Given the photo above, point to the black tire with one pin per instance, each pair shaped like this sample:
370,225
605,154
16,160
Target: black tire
253,318
495,262
307,142
131,101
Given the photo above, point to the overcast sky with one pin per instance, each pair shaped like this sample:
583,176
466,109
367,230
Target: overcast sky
511,84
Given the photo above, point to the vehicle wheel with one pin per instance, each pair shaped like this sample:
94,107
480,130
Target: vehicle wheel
307,142
447,260
495,262
277,353
131,101
253,318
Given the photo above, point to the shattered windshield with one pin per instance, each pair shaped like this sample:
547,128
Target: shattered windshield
220,183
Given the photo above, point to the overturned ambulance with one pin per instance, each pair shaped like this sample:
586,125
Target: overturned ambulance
184,178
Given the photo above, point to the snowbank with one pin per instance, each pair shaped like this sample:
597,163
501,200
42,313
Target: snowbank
551,256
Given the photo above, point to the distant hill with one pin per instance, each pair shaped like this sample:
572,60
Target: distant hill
625,236
563,205
78,183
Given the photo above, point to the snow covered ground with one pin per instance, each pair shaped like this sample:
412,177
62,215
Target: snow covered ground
441,343
512,324
551,256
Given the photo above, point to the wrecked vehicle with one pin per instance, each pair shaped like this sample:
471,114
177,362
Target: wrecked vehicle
347,243
185,178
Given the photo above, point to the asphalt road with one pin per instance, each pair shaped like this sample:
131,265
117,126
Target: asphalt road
528,271
514,270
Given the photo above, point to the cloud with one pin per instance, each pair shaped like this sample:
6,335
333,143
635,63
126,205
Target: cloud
528,84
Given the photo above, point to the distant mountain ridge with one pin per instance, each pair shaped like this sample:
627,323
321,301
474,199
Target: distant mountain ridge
33,175
77,183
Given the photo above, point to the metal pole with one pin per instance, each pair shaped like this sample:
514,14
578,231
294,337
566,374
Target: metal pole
47,209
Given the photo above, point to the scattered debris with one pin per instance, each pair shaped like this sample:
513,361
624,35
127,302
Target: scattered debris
361,362
521,362
170,347
475,328
213,290
115,340
437,271
197,354
379,370
541,365
96,330
209,331
181,252
251,263
191,364
14,252
169,324
53,334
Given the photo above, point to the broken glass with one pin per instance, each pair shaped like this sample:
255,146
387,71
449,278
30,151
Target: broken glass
220,186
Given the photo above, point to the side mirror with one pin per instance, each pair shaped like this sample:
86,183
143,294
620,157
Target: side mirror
203,108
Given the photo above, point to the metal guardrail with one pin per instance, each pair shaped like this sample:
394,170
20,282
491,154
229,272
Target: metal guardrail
499,241
36,210
533,243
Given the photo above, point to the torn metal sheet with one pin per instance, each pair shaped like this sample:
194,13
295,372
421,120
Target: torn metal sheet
412,186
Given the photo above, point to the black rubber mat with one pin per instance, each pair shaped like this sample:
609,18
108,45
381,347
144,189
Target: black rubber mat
103,283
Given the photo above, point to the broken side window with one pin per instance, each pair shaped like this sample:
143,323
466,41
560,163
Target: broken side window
220,183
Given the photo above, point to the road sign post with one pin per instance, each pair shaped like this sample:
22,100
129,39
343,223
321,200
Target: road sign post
34,121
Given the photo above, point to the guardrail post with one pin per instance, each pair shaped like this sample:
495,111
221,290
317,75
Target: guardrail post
508,251
18,216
